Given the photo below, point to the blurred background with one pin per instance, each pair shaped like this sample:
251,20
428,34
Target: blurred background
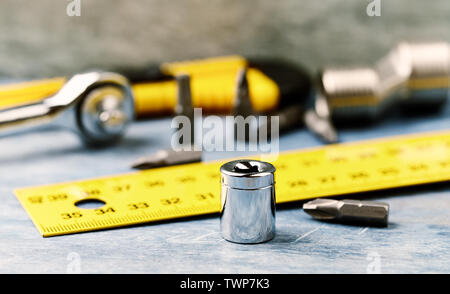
38,38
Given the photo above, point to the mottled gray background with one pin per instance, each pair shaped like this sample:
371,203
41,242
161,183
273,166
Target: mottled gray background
37,38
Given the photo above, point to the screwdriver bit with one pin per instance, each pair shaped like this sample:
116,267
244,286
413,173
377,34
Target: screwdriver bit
322,127
167,157
184,105
349,211
242,102
243,107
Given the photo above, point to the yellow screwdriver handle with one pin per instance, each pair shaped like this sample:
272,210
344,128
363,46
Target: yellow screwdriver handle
213,86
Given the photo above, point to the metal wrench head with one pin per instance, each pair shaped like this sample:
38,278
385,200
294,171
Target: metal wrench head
105,109
97,105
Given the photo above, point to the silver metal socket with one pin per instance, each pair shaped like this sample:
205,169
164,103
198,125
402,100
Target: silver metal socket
248,201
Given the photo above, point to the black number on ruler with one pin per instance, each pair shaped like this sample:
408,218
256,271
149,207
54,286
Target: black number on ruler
394,151
214,175
35,199
92,192
418,167
205,196
71,215
445,163
310,162
57,197
122,188
140,205
280,166
170,201
327,179
359,175
101,211
389,171
187,179
298,183
155,183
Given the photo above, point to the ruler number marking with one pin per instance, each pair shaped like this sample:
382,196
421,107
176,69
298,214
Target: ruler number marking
93,192
205,196
359,175
71,215
327,179
122,188
187,179
157,183
139,205
298,183
102,211
36,199
171,201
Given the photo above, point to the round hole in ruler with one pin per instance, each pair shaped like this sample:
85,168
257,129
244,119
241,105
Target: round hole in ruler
90,203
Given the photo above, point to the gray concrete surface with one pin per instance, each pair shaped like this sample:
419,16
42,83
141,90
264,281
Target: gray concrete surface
37,38
417,239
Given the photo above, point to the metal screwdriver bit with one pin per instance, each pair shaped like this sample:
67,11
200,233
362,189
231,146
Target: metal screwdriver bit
349,211
243,107
320,126
184,104
242,103
166,158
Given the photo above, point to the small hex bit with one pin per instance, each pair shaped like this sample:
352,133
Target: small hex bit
184,105
242,105
167,157
242,102
349,211
322,127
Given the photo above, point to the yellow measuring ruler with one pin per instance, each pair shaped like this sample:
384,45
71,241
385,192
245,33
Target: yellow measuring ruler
194,189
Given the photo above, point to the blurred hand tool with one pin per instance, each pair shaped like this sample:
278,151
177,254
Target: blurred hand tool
290,116
98,106
167,157
183,110
410,76
349,211
272,84
294,116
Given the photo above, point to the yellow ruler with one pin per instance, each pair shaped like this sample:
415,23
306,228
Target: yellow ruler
194,189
